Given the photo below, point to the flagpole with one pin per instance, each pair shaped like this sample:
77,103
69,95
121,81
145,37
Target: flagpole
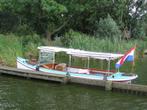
118,70
133,63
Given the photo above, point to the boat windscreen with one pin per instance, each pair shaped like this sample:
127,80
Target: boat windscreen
46,57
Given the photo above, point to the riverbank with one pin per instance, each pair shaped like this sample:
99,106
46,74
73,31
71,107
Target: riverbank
12,45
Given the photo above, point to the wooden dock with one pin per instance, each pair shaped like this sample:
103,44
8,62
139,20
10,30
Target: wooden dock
32,74
107,85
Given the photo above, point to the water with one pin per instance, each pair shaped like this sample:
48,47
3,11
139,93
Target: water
22,94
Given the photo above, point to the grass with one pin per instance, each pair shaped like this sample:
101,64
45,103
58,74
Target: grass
85,42
12,46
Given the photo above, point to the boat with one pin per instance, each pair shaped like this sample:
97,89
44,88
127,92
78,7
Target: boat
47,63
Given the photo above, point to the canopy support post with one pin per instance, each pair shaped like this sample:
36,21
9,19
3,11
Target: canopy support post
109,65
69,63
39,58
102,64
53,60
88,62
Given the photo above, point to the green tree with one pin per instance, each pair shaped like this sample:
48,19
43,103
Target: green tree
139,31
107,28
137,11
49,17
44,16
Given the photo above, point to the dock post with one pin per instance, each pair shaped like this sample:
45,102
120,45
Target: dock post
66,78
145,52
108,85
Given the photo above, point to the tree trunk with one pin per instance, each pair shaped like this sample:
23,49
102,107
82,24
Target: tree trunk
48,35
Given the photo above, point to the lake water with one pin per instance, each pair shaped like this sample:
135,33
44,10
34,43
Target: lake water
22,94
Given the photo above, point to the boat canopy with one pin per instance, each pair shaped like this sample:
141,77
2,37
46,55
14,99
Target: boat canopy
81,53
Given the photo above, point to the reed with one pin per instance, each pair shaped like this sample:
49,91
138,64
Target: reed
86,42
10,47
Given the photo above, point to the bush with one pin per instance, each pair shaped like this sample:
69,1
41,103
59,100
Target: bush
23,29
8,22
83,41
34,38
139,31
107,28
10,48
30,44
67,38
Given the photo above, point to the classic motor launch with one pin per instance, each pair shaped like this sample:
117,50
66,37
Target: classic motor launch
47,63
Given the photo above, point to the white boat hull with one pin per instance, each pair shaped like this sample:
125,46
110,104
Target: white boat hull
22,64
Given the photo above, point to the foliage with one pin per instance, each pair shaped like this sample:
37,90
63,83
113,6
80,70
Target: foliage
27,45
8,22
101,21
34,38
51,17
10,48
137,12
67,38
108,28
30,44
138,31
37,14
83,41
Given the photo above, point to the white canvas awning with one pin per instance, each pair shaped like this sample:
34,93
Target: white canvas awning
51,49
81,53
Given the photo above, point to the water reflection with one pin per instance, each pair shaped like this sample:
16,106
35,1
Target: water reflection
20,94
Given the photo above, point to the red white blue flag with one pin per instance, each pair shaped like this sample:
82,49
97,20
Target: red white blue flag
129,56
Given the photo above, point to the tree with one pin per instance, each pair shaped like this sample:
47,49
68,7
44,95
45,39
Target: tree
138,31
49,17
107,28
137,11
42,15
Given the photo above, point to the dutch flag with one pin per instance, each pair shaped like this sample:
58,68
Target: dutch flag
129,56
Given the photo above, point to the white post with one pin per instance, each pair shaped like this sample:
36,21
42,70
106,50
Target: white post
39,58
53,60
69,64
109,65
102,65
88,62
